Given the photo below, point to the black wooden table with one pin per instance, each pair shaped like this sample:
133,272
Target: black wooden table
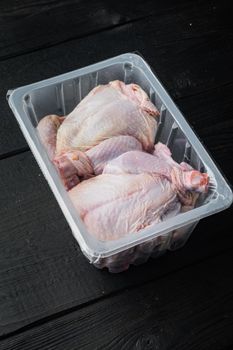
50,296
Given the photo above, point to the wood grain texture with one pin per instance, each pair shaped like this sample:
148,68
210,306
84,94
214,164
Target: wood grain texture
187,59
189,309
50,296
30,25
42,270
210,115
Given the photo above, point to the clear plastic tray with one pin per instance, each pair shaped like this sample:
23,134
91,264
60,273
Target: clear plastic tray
59,95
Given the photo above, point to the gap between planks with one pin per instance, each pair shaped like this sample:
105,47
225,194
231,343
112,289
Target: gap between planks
68,311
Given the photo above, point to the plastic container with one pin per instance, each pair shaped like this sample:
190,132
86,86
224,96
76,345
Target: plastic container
59,95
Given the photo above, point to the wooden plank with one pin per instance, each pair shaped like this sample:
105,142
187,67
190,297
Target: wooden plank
28,25
189,309
42,270
210,116
184,66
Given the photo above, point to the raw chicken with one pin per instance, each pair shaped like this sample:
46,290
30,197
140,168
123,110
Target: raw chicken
161,162
135,162
110,131
113,205
110,120
109,110
77,164
47,129
109,149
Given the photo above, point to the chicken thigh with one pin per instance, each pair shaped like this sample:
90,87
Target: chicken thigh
112,206
110,120
108,142
117,203
77,164
109,110
47,129
160,162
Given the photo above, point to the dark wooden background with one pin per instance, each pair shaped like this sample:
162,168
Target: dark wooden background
50,296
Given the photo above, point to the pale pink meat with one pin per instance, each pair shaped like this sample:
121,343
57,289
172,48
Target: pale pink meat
135,162
160,162
109,149
110,120
85,164
112,206
109,110
118,181
47,129
136,190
